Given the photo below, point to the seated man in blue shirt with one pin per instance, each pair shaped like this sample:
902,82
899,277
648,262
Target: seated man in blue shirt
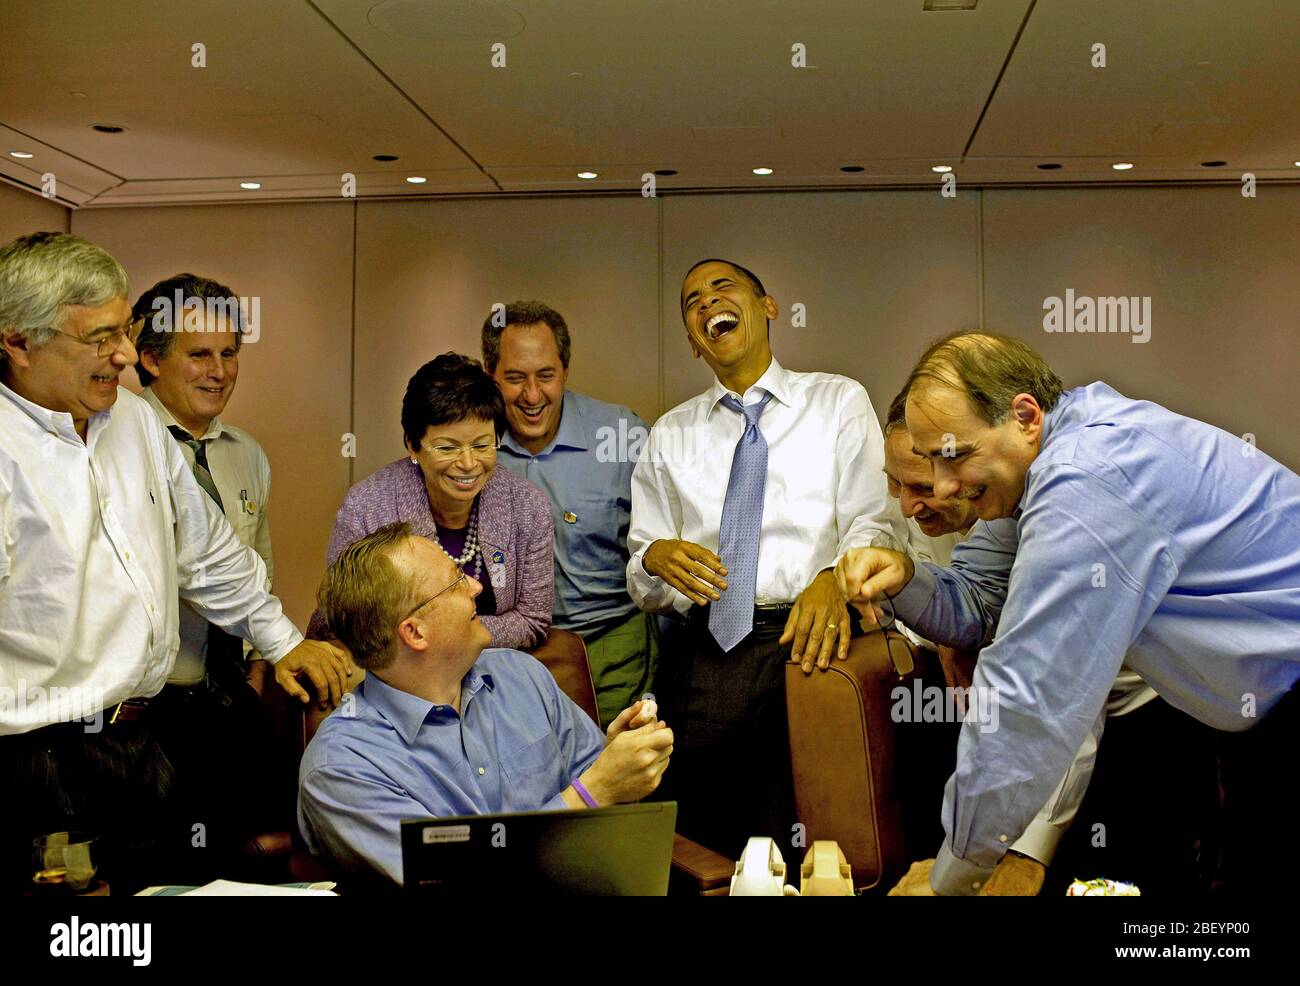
441,726
1145,539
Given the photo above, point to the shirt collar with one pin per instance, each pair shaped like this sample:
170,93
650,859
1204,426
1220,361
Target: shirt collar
169,420
1053,418
408,713
59,422
571,433
775,380
1050,422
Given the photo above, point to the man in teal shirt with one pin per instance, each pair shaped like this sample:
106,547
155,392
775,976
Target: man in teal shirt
581,451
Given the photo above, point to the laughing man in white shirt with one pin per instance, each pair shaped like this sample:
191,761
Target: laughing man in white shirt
103,528
745,552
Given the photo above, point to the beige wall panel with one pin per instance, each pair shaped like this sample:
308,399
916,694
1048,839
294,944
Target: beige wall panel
1220,270
428,274
23,212
292,394
879,273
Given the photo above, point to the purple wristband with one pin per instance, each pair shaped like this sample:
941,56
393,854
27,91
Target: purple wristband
584,794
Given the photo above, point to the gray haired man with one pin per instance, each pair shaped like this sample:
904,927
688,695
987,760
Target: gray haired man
103,527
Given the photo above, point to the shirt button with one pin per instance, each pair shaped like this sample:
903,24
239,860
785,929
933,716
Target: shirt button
482,771
1002,838
975,885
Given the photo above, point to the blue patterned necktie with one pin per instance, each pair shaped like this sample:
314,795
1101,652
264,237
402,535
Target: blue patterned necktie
732,617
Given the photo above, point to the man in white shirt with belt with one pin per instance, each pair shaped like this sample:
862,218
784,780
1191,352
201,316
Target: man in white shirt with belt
210,720
103,528
744,498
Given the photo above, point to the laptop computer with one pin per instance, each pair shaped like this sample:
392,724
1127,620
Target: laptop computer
623,850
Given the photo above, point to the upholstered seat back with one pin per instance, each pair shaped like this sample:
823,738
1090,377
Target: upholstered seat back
842,745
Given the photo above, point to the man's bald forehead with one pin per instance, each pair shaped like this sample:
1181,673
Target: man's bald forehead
939,397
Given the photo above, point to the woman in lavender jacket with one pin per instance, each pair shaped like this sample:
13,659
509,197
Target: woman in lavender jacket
494,524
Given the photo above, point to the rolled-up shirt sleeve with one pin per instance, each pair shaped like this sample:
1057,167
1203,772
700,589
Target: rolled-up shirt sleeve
1090,570
656,515
864,513
223,580
581,740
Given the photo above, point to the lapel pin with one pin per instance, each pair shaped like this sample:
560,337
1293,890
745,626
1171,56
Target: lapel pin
570,517
498,558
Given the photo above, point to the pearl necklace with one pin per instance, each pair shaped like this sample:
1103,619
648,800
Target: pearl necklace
471,552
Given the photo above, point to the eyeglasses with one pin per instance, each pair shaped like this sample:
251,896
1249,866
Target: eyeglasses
880,602
447,588
109,344
450,453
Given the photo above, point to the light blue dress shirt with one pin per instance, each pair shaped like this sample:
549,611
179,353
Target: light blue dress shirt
586,472
1145,538
389,756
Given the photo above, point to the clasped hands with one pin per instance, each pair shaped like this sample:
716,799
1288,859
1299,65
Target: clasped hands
638,745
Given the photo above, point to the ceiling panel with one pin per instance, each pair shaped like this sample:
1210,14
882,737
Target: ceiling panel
282,93
297,93
699,87
1186,81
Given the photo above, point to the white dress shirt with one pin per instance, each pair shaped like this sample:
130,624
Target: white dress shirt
242,473
825,491
97,540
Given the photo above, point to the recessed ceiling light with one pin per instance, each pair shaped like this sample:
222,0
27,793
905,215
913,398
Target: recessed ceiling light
417,179
762,171
852,169
665,172
1049,166
942,169
22,154
1123,165
107,128
252,186
587,175
385,157
1213,164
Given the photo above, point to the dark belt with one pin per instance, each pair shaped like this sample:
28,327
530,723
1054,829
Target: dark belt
773,615
131,710
764,616
128,711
